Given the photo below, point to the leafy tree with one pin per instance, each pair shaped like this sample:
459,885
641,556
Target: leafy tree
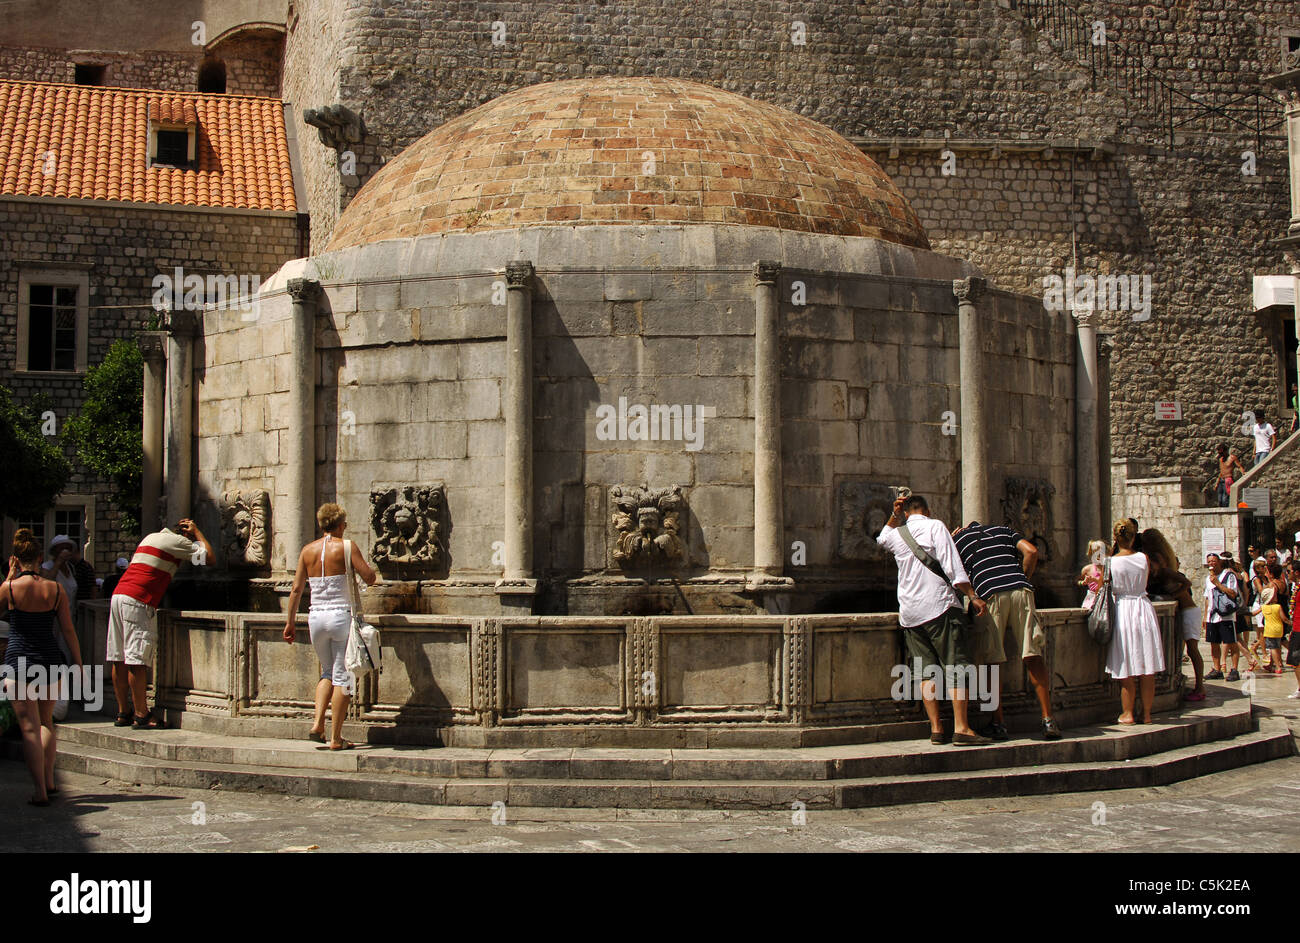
34,469
107,433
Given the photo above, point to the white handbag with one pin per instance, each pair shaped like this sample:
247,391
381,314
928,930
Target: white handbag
363,654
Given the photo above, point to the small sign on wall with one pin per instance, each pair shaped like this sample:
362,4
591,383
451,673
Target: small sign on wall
1169,411
1212,540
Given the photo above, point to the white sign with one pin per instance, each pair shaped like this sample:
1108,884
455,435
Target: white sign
1257,499
1169,411
1211,541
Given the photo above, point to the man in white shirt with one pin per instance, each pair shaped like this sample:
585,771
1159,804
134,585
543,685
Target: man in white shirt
1265,438
1221,629
928,611
1283,554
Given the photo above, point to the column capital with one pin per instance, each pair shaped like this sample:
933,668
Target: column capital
303,289
767,271
181,323
970,290
519,275
152,345
1088,318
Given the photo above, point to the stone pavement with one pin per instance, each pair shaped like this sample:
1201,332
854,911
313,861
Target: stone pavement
1250,809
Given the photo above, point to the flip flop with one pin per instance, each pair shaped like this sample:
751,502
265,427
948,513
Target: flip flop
40,803
316,737
1195,697
347,745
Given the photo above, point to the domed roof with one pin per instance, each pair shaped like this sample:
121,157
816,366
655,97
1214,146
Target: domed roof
628,151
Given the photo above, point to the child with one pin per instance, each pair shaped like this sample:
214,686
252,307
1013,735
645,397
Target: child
1093,572
1274,618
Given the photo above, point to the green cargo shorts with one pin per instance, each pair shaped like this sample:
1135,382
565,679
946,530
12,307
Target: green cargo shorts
940,642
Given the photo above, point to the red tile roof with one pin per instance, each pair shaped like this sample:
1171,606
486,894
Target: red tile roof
98,141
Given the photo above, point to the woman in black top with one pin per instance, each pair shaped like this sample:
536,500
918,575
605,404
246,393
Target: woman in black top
34,603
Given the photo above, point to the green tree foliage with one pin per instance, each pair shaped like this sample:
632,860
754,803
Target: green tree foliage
34,469
107,433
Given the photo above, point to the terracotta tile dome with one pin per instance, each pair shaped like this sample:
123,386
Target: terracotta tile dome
627,151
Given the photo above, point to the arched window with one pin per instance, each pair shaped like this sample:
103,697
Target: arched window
212,76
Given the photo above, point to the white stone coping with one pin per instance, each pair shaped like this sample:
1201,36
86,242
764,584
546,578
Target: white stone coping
605,248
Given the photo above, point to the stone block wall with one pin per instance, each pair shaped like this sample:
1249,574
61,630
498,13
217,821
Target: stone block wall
411,386
121,248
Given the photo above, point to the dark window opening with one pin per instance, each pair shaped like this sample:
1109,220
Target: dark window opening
1293,44
68,521
173,148
88,74
212,77
52,327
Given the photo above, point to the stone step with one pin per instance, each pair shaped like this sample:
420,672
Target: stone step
1217,721
1272,741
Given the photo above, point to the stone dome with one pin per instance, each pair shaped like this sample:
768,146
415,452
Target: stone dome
614,151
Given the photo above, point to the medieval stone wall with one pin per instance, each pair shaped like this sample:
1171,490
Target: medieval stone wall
122,249
314,56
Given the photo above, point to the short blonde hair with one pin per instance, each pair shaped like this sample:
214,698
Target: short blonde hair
330,516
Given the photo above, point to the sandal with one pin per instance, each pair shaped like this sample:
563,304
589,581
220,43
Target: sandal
346,745
41,803
123,719
316,737
147,722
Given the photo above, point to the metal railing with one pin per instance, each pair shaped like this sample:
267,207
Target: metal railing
1151,100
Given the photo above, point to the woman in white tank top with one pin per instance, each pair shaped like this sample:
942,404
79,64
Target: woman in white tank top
329,618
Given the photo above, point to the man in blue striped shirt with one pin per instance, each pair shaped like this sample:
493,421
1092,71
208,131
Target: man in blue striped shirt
990,554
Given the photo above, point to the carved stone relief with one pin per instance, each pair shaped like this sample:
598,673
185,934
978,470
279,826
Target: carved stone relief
648,525
1027,508
245,540
410,525
862,507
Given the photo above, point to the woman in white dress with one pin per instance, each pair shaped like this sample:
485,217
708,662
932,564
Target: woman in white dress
1135,649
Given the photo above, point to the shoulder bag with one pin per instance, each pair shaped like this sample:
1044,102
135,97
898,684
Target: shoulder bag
363,654
1101,618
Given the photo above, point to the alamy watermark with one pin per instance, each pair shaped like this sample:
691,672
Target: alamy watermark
1087,293
981,683
178,291
38,682
654,423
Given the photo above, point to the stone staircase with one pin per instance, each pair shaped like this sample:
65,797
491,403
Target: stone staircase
1220,734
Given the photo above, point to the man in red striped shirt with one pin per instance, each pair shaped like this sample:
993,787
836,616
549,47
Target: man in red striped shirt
133,614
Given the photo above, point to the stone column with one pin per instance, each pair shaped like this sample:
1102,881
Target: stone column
975,469
179,431
1087,459
517,580
299,518
154,348
769,523
1106,485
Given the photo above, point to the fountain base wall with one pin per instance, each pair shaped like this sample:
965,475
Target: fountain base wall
533,681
